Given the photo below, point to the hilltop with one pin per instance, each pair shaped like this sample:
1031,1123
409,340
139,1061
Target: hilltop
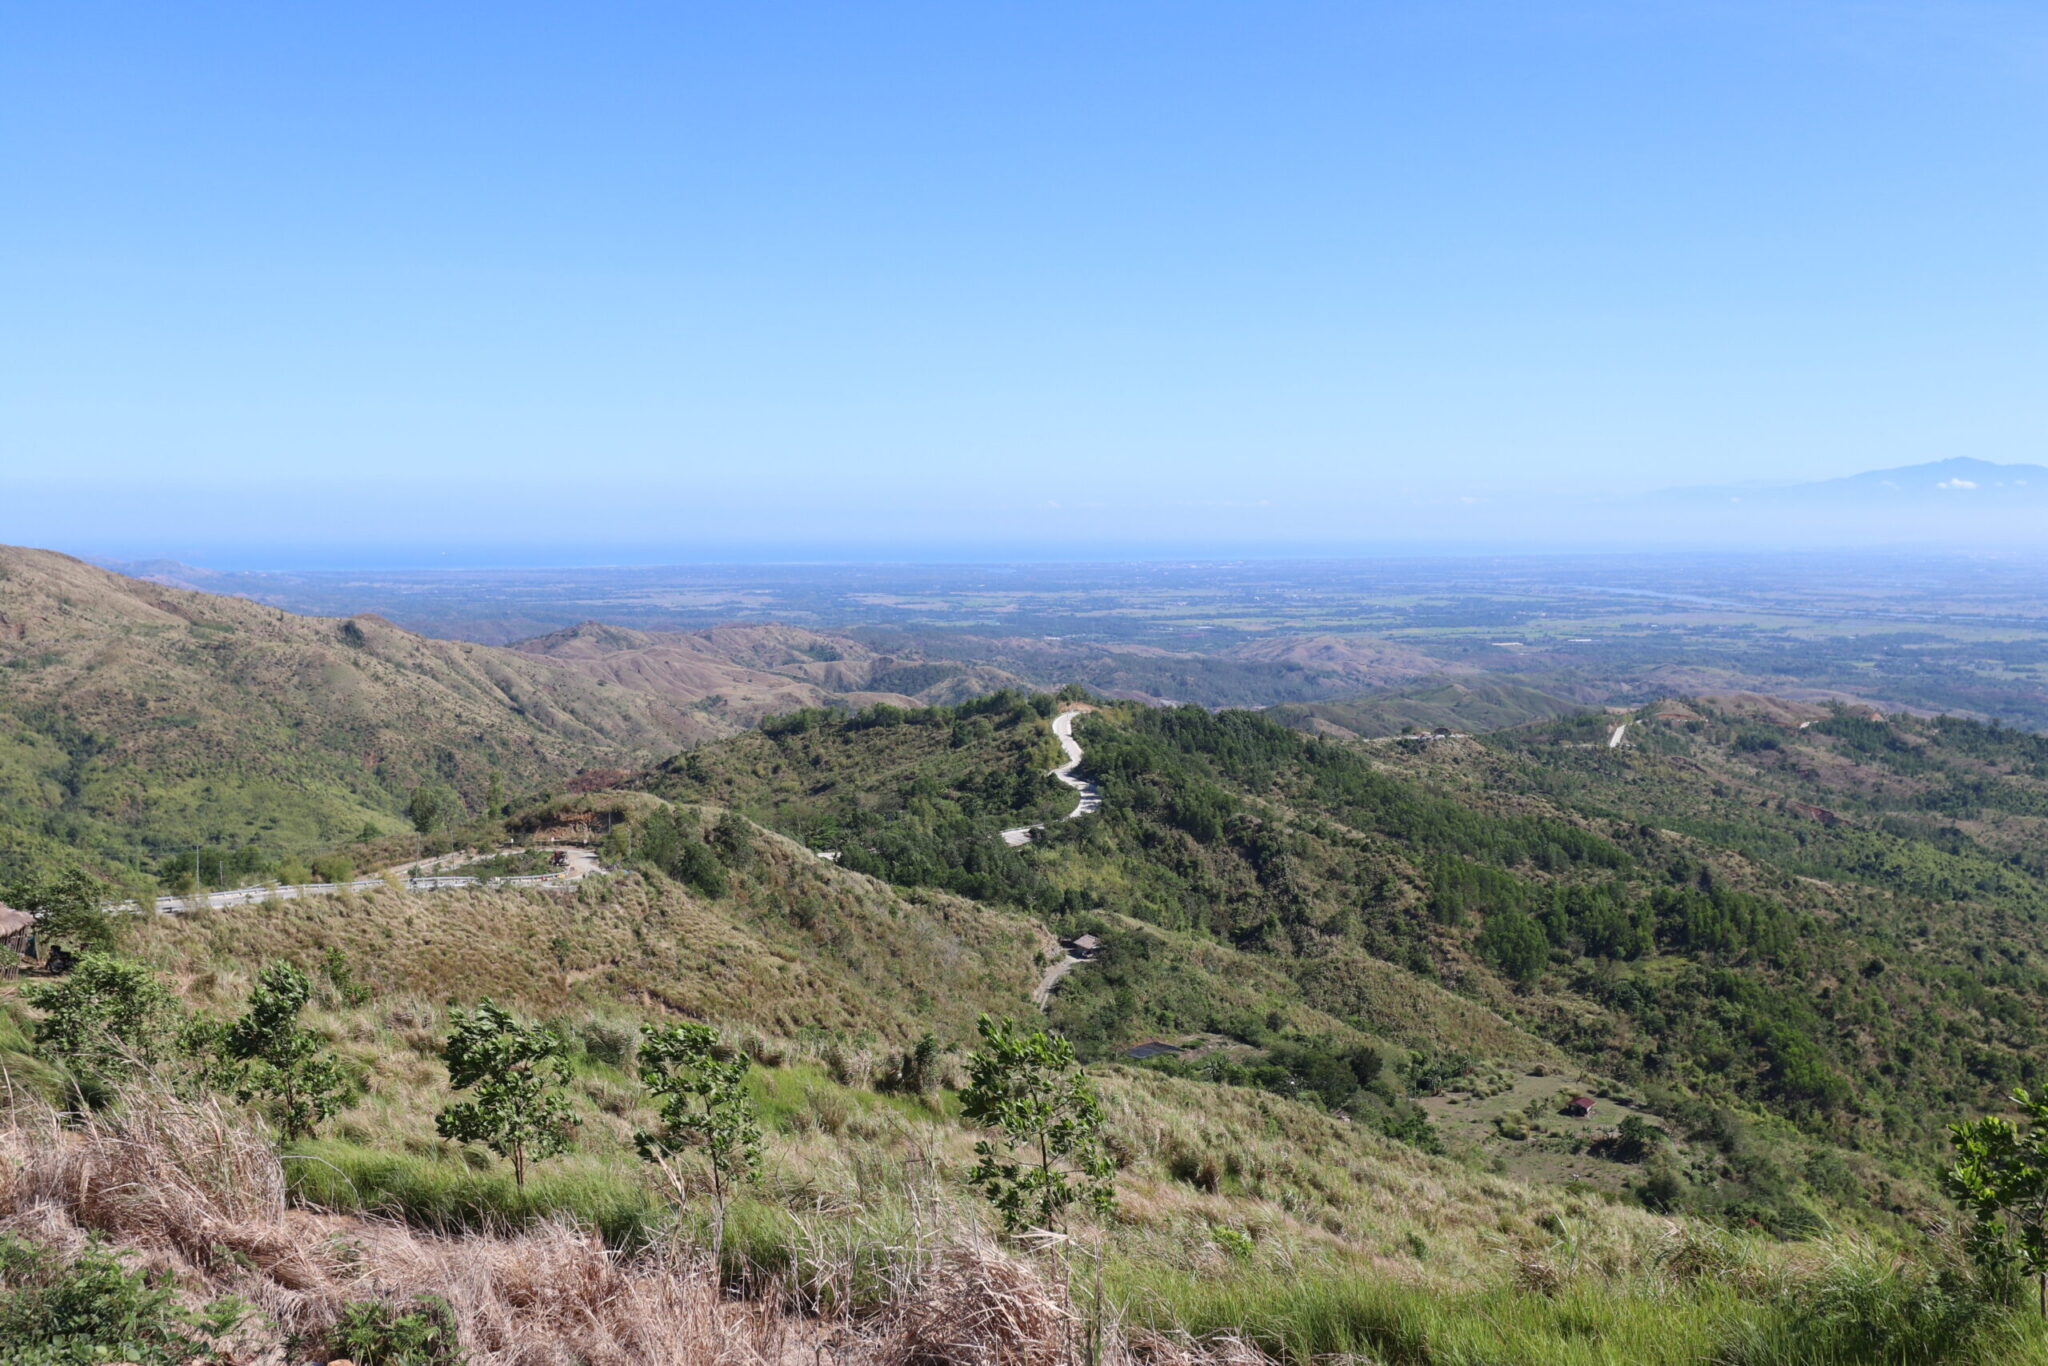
139,720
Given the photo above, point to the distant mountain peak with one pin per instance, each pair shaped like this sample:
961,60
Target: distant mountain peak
1959,481
1958,473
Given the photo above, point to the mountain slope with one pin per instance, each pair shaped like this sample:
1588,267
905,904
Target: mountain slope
1809,949
137,718
717,682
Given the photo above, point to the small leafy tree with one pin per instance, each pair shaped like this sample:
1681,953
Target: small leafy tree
435,806
104,1018
1636,1138
1049,1154
515,1073
277,1060
698,868
733,842
704,1105
342,977
66,907
919,1068
2001,1177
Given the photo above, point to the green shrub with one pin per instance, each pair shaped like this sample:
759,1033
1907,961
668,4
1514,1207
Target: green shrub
104,1018
382,1333
94,1309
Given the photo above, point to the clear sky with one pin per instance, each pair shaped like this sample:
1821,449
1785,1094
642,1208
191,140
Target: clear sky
520,280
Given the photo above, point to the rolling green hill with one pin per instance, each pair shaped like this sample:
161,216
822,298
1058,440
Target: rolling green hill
1804,950
1779,944
1458,704
139,721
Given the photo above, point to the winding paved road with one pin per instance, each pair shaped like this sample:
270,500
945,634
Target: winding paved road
1090,802
1091,795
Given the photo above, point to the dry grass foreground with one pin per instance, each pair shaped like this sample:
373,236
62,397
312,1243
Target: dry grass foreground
192,1191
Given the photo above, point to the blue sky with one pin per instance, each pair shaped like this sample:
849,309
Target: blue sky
532,281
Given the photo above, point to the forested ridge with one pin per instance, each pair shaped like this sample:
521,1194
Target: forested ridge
1801,963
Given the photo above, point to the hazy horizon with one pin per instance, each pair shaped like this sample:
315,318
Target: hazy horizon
402,282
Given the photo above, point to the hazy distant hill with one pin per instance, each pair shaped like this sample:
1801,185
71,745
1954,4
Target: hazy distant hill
722,680
1958,484
1461,704
137,718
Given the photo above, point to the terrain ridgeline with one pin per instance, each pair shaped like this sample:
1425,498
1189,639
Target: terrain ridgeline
140,720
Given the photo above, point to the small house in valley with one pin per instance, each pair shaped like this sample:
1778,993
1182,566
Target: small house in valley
1580,1106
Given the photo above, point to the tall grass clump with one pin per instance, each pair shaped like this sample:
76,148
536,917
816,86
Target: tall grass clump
445,1194
1862,1305
1858,1310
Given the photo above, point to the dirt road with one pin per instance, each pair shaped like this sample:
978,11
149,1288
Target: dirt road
1041,995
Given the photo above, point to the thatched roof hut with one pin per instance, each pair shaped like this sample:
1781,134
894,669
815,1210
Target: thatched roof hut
15,927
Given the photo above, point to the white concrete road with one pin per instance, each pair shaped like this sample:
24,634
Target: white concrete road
1091,795
1614,740
582,863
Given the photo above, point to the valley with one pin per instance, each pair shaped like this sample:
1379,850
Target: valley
1411,988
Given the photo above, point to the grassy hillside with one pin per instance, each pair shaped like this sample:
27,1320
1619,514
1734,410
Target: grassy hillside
1294,1232
139,721
790,942
1801,952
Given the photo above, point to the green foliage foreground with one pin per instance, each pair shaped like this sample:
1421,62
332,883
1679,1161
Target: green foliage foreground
1866,1311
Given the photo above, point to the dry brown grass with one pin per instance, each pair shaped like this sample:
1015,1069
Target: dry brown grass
190,1189
974,1303
799,943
